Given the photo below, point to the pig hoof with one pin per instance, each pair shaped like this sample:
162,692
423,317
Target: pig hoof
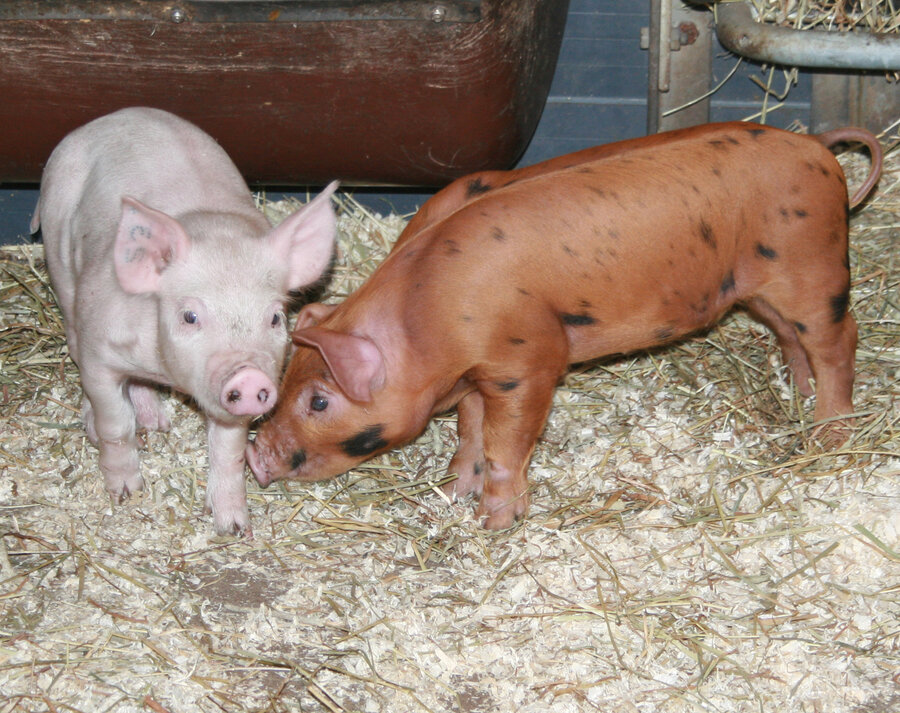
470,480
504,516
502,520
122,492
501,510
235,529
832,435
236,524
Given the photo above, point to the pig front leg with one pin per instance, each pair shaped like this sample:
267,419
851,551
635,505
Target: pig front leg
468,462
515,411
109,420
226,494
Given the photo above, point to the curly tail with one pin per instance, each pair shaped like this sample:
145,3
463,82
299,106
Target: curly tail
852,134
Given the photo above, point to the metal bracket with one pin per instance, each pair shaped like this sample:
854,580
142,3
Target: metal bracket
677,80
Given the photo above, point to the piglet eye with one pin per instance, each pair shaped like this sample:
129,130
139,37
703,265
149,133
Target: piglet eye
276,319
318,403
190,317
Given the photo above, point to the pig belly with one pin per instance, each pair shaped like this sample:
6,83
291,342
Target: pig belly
640,316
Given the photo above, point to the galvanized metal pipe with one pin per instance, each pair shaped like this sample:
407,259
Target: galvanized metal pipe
740,33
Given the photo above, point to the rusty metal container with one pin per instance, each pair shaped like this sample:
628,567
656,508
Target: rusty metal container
393,92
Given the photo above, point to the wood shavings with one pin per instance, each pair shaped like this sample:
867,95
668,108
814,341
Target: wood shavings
685,550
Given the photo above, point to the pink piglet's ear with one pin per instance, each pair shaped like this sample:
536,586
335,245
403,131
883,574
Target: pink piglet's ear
355,362
147,242
305,240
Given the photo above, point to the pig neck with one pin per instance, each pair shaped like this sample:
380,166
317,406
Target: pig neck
422,373
206,222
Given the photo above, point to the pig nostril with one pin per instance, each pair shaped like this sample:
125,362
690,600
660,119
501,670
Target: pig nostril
234,396
263,395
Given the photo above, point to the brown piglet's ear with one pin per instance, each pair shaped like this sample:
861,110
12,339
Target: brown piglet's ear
355,362
312,314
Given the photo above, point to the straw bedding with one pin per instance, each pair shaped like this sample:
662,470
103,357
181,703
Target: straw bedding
686,548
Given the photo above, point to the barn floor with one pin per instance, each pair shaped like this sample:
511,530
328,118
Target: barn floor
687,549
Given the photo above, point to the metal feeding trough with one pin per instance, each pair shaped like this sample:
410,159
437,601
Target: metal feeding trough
397,92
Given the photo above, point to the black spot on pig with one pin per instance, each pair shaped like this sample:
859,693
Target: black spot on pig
298,459
452,247
664,334
756,133
523,291
717,144
702,307
706,232
766,252
800,327
577,320
727,284
476,187
800,213
507,385
365,442
839,305
517,341
569,251
498,234
732,140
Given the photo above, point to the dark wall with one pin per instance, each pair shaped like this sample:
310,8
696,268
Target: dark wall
599,94
599,91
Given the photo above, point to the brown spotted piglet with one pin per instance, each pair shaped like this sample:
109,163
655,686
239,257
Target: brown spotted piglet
506,278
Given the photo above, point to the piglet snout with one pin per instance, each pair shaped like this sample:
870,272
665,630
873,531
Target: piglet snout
248,392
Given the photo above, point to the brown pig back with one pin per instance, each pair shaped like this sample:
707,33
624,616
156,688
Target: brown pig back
670,235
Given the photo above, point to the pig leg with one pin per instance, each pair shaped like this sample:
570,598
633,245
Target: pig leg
147,407
832,352
514,417
109,416
827,333
87,418
226,495
468,463
792,353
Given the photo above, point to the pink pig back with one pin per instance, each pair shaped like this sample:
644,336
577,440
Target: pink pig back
144,153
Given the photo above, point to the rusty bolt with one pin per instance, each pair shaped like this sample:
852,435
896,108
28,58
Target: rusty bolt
687,33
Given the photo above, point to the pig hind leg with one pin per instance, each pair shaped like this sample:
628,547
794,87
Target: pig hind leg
110,423
815,317
793,354
148,408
